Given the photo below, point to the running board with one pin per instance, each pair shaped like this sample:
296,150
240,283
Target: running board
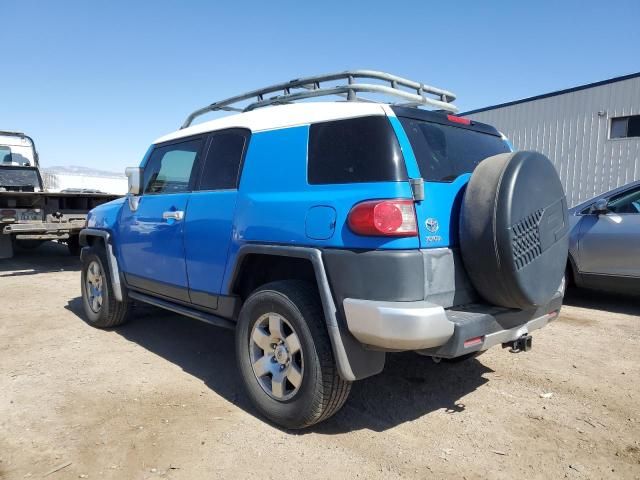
182,310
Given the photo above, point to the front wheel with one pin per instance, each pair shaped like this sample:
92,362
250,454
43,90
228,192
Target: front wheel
285,357
101,308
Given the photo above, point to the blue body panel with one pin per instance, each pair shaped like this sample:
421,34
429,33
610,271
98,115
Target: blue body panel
151,247
105,217
275,198
208,230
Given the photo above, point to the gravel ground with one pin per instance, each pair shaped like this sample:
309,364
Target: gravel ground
160,398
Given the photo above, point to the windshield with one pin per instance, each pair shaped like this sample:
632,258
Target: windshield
445,152
12,178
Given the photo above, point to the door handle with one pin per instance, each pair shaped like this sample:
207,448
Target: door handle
173,214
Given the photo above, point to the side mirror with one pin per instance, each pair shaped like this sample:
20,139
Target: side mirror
134,177
601,206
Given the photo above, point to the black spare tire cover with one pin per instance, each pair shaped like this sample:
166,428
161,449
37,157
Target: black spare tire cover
514,230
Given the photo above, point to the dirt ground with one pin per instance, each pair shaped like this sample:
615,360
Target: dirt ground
160,398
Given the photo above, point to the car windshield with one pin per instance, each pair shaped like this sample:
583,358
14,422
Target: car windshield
19,177
445,152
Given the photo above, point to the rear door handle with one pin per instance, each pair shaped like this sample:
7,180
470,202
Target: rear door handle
173,214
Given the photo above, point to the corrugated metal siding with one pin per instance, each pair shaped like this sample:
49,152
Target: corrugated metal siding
568,129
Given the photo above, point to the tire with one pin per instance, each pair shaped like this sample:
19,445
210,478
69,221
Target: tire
106,312
318,392
514,230
73,244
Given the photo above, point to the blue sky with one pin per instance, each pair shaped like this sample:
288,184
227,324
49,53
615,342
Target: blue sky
95,82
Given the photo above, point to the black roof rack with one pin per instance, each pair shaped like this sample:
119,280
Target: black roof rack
310,87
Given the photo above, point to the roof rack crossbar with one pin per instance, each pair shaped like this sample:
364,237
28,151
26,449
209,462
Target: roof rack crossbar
310,87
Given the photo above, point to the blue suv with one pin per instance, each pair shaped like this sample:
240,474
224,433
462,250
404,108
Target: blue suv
327,234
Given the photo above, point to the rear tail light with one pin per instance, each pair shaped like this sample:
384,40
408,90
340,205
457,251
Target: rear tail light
392,218
462,120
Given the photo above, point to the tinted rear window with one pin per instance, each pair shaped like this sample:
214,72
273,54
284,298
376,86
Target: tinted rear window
355,150
445,152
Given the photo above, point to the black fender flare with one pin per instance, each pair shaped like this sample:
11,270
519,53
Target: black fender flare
353,360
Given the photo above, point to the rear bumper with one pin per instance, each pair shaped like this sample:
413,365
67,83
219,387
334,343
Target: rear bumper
432,330
398,325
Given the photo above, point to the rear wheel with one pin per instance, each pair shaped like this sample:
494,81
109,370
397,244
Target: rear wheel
285,357
101,308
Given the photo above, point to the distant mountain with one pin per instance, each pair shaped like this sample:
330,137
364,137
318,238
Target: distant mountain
84,171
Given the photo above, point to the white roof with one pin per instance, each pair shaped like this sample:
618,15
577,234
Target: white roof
281,116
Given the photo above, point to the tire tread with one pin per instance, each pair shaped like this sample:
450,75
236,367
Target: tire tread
335,390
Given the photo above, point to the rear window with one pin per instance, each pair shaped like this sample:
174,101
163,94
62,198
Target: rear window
355,150
445,152
19,177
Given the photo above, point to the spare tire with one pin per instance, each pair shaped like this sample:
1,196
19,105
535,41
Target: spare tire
514,230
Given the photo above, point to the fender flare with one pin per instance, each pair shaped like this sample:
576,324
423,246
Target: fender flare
111,258
353,361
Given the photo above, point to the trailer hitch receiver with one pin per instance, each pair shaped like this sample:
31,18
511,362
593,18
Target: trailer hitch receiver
522,344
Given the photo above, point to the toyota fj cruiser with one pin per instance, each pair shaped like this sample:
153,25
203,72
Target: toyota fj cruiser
329,233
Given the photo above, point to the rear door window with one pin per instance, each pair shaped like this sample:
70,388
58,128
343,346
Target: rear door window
445,152
221,168
354,150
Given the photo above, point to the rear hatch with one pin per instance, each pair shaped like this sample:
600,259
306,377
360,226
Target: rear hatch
446,150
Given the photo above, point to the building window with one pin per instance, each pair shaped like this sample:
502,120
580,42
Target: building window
625,127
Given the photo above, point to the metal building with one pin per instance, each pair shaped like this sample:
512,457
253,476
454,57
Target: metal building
590,132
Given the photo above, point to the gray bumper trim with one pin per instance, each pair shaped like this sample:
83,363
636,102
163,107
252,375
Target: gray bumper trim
398,325
431,330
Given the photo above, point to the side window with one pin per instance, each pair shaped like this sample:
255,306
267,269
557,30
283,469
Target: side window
626,202
222,164
169,168
355,150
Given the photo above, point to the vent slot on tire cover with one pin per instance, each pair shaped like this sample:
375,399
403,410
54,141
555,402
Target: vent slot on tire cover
526,240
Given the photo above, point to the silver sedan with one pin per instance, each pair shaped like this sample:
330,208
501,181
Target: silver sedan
604,248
